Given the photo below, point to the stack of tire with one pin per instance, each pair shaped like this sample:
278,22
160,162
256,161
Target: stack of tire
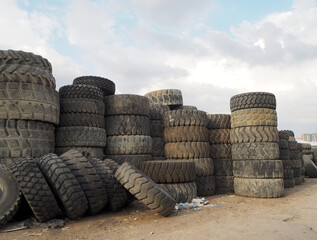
128,128
294,158
172,98
186,138
288,164
300,147
29,106
219,139
81,121
257,170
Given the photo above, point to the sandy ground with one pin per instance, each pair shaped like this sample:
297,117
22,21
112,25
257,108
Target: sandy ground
293,216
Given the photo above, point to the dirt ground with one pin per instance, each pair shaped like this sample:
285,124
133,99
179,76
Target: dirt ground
293,216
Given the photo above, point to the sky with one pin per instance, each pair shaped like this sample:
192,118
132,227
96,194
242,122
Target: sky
209,49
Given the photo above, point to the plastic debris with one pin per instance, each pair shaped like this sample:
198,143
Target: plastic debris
196,204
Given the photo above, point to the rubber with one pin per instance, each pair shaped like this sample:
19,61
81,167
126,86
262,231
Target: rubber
219,121
203,166
310,168
254,134
252,100
259,169
285,154
289,183
88,152
129,145
82,106
224,184
285,134
186,150
82,119
292,145
217,136
145,190
181,192
292,163
283,144
185,134
223,167
158,147
136,160
206,186
157,110
185,118
220,151
255,151
168,97
288,173
107,86
80,91
298,180
156,128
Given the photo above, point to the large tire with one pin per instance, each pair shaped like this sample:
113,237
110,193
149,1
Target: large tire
253,100
203,166
220,151
181,192
157,147
135,160
169,171
254,117
283,144
254,134
289,183
80,137
206,186
88,179
28,101
292,145
288,173
188,107
168,97
217,136
259,169
10,195
64,185
20,138
185,134
285,134
219,121
156,128
82,106
187,150
261,188
157,110
255,151
107,86
224,184
145,190
129,145
88,152
82,120
80,91
285,154
35,189
223,167
185,118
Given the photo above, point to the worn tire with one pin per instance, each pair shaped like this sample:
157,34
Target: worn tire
185,118
291,163
298,180
206,186
254,117
168,97
185,134
156,128
220,151
81,120
181,192
88,152
218,136
285,154
224,184
80,91
107,86
203,166
292,145
219,121
255,151
288,173
285,134
157,110
135,160
129,145
283,144
223,167
254,134
158,147
82,106
187,150
259,169
253,100
289,183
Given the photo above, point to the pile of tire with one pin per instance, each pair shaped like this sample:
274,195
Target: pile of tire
219,139
300,147
186,138
172,98
128,129
294,149
257,170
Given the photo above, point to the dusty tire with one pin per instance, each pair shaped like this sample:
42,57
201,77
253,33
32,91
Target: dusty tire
168,97
259,169
129,145
289,183
107,86
156,128
219,121
253,100
186,150
88,152
255,151
206,186
82,106
285,154
283,144
81,120
181,192
217,136
185,134
203,166
157,110
80,91
157,147
135,160
145,190
223,167
298,180
288,173
185,118
188,107
254,134
285,134
224,184
220,151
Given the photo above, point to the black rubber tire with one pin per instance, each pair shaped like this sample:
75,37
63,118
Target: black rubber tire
218,136
80,91
158,147
220,151
253,100
261,188
157,110
288,173
259,169
127,125
181,192
129,145
185,118
292,145
285,154
81,120
219,121
145,190
206,186
64,185
35,189
298,180
188,107
168,97
289,183
88,152
291,163
285,134
20,138
185,134
224,184
254,117
107,86
135,160
127,104
88,179
283,144
255,151
28,101
254,134
186,150
10,195
294,154
223,167
297,172
80,137
156,128
82,106
203,166
169,171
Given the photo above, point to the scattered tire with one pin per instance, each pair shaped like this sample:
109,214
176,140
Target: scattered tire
185,118
259,169
206,186
135,160
252,100
219,121
88,152
82,119
217,136
223,167
254,134
129,145
169,97
80,91
181,192
255,151
82,106
186,150
220,151
185,134
107,86
157,110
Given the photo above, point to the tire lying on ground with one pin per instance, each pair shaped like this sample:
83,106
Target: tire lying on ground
145,190
310,167
107,86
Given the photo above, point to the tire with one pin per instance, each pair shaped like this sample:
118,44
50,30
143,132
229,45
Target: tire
285,134
107,86
88,152
135,160
185,118
288,173
168,97
297,172
185,134
156,128
157,110
223,167
294,155
80,137
127,104
127,125
219,121
261,188
260,169
35,189
254,117
292,145
88,179
188,107
64,185
254,134
285,154
218,136
10,196
310,168
186,150
283,144
292,163
220,151
169,171
298,180
129,145
82,120
20,138
289,183
203,166
253,100
158,147
181,192
206,186
82,106
28,101
224,184
80,91
145,190
255,151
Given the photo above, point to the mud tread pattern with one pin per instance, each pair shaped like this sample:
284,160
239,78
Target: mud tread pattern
82,106
220,151
206,186
203,166
158,147
285,134
219,121
288,173
254,134
157,110
289,183
259,169
185,118
183,150
185,134
135,160
223,167
253,100
169,97
129,145
284,154
283,144
82,119
80,91
88,152
106,85
181,192
156,128
217,136
255,151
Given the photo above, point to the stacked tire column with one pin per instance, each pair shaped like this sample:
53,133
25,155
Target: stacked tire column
219,139
186,138
255,151
295,158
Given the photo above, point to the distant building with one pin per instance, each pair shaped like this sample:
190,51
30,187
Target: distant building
309,137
